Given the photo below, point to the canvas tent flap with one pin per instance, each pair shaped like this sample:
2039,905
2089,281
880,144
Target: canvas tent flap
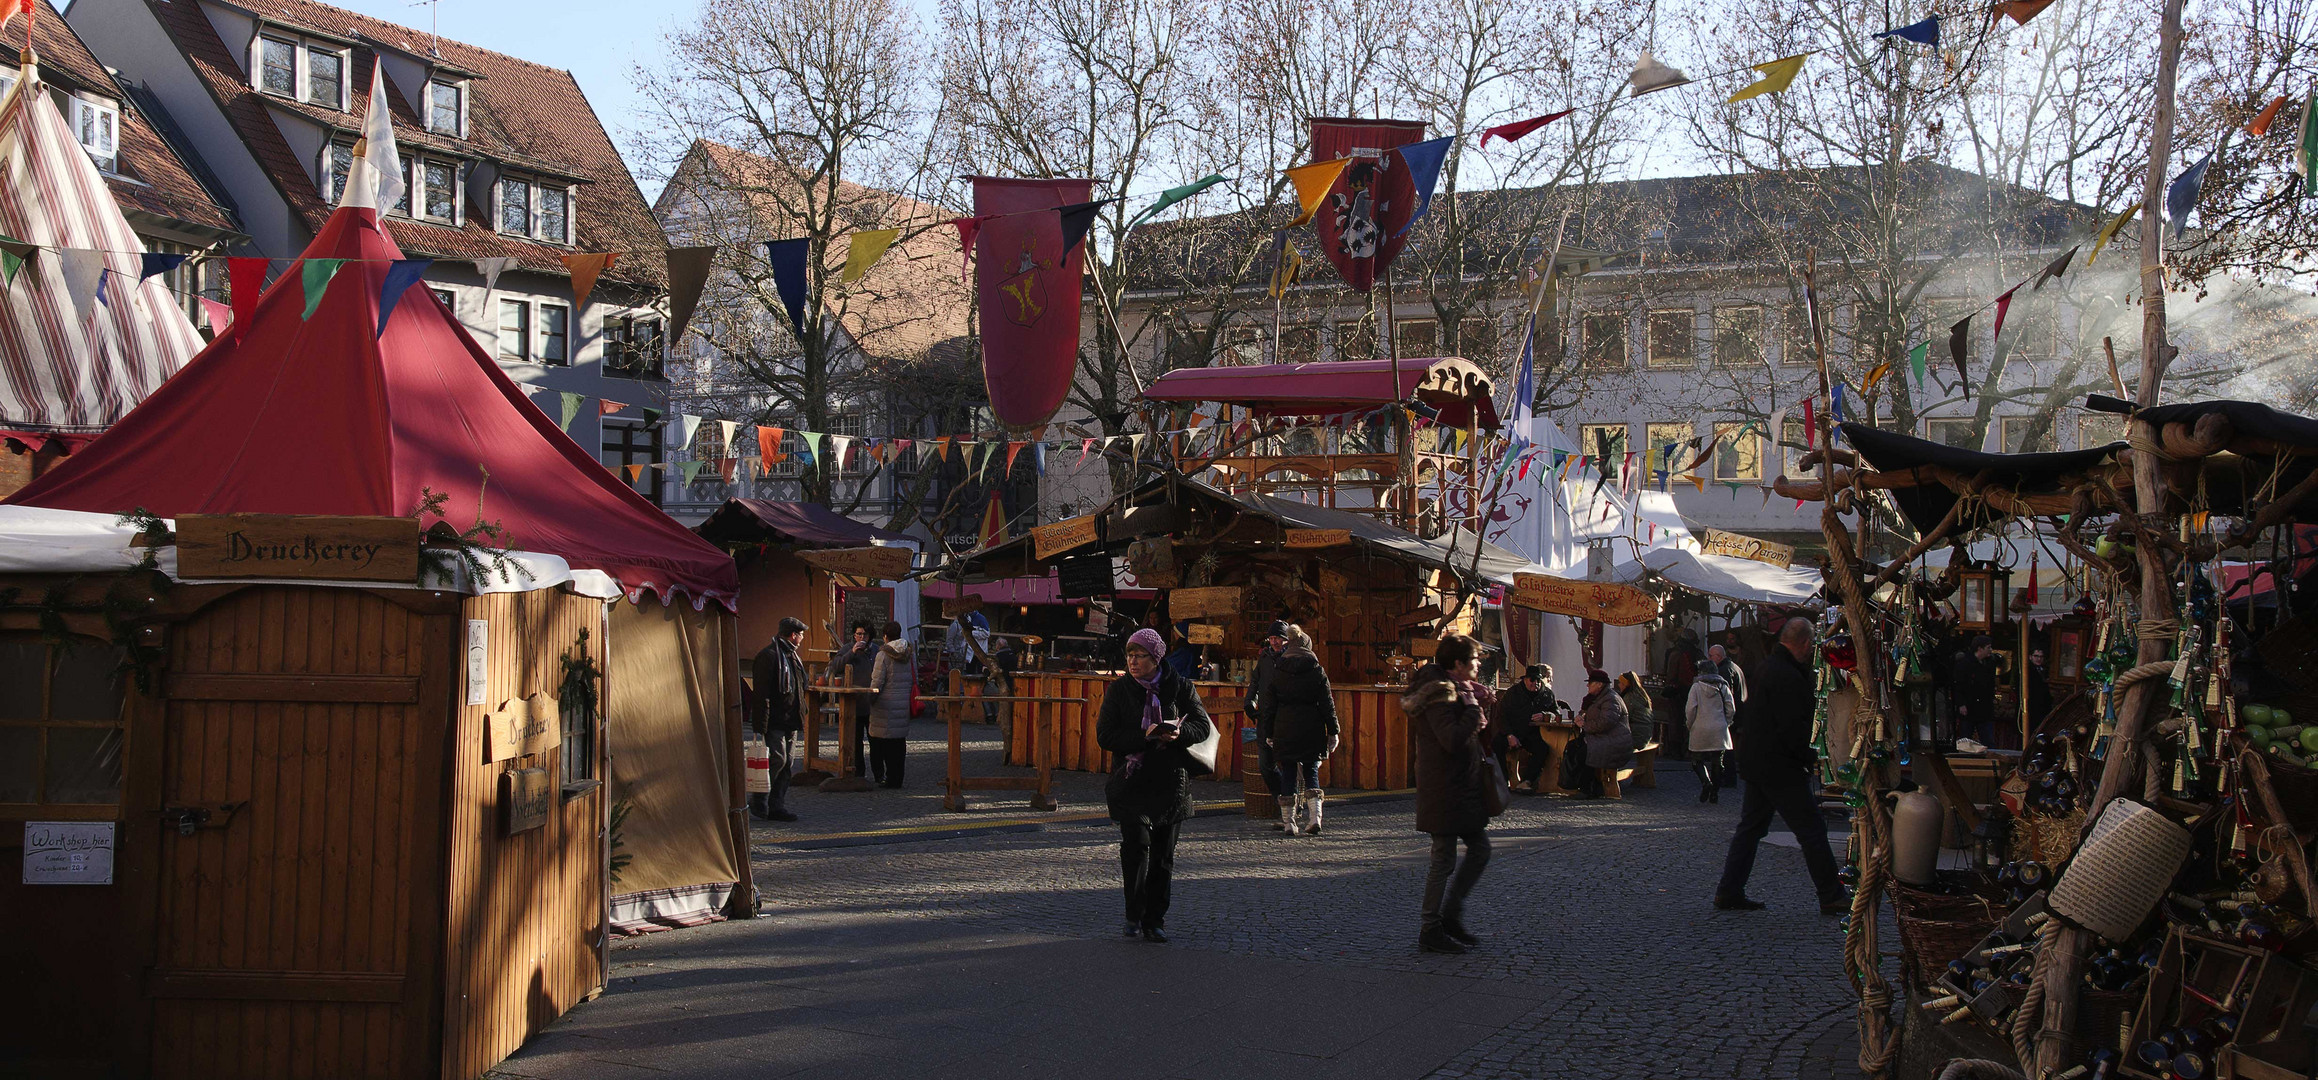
667,725
61,368
1742,580
324,415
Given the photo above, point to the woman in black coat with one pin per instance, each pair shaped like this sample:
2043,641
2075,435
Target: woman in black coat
1297,720
1444,711
1150,718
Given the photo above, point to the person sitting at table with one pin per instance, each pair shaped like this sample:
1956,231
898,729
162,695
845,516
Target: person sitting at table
1641,713
1609,742
1519,712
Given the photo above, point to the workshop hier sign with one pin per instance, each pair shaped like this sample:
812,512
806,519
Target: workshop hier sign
301,546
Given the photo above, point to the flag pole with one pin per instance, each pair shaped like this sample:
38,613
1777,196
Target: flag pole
1279,289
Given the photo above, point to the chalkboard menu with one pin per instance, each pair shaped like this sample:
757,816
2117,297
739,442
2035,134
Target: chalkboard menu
1086,575
868,604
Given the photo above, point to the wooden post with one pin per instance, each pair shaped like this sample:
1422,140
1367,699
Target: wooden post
954,797
852,772
743,904
2062,963
1042,754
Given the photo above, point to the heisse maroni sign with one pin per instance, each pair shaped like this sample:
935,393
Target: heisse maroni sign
299,546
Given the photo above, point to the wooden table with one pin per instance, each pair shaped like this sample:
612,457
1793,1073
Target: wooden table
844,770
1557,736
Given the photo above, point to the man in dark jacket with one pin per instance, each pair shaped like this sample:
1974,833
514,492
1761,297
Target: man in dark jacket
1520,710
853,666
2039,690
779,678
1775,758
1252,706
1973,689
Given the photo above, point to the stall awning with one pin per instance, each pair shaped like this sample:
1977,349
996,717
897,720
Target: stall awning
1742,580
1451,384
1927,504
1018,590
805,525
1452,550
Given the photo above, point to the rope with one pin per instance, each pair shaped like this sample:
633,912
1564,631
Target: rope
2143,437
2151,669
1861,954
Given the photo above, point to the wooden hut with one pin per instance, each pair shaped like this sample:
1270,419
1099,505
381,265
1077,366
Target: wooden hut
305,758
807,561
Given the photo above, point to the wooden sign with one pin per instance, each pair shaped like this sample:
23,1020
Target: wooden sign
527,797
882,563
1601,601
1718,542
1152,560
300,546
68,852
1204,634
1424,648
1422,615
961,605
1062,536
1200,603
1318,538
529,725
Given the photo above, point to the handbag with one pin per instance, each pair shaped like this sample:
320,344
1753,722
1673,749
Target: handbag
1203,752
1496,794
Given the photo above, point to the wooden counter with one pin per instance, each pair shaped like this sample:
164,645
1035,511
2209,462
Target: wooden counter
1375,754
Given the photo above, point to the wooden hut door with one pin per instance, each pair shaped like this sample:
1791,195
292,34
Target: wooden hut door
298,905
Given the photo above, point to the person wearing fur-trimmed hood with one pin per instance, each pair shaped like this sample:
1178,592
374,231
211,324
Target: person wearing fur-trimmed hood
1297,721
1445,716
891,676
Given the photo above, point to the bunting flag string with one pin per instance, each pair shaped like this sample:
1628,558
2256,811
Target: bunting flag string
864,251
315,278
1312,183
571,405
1776,76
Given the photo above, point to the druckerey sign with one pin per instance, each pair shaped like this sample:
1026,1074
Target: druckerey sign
303,547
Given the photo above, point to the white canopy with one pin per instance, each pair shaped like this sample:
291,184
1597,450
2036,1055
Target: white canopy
1744,580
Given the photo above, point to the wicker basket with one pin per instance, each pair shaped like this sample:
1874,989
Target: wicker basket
2048,840
2104,1016
1935,928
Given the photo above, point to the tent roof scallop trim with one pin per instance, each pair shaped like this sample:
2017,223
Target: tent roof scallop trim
325,415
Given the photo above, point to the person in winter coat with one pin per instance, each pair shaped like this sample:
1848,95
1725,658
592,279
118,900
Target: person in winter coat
779,678
1641,712
1298,722
1520,709
1973,690
1444,709
1275,639
1708,714
852,666
891,677
1775,758
1609,742
1150,718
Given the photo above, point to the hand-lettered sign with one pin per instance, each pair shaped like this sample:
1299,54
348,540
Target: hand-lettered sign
527,796
1061,536
1318,538
529,725
1201,603
1601,601
68,853
1718,542
881,563
299,546
1204,634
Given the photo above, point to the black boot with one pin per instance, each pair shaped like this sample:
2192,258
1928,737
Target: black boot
1455,928
1437,940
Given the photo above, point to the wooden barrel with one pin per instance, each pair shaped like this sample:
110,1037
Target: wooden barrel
1254,793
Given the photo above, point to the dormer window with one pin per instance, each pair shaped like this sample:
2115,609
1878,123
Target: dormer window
537,208
439,188
98,123
447,108
310,71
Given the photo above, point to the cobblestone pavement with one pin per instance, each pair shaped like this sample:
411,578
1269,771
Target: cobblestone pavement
994,954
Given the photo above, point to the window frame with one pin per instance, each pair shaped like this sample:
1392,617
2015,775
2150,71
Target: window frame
539,323
1590,356
1725,329
345,58
1728,440
1933,425
259,67
619,336
1665,317
421,210
107,156
519,336
501,204
449,299
1652,434
46,722
1404,330
303,49
1795,337
1588,445
458,128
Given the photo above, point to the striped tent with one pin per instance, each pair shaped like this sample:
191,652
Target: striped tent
83,336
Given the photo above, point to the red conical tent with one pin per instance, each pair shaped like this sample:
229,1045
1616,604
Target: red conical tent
324,416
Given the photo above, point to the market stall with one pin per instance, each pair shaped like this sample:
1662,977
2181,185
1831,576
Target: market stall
2136,894
310,654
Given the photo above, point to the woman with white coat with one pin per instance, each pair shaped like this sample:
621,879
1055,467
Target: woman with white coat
1709,711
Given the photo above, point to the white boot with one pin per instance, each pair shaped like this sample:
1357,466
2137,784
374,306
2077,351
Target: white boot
1312,815
1287,814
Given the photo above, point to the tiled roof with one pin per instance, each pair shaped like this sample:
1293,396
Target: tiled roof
154,179
518,112
910,302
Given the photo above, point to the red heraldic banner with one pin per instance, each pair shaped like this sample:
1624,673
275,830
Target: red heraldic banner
1361,220
1027,292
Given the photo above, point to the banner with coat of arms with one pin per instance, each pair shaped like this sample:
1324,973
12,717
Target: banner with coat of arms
1362,218
1027,291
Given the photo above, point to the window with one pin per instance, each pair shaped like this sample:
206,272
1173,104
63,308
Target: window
1243,345
579,737
554,224
515,207
1792,440
60,721
98,124
631,443
446,108
1603,442
278,66
1299,344
2038,336
1738,336
1737,457
1186,348
1417,337
1962,434
632,347
441,180
514,330
1795,348
1477,340
341,166
325,78
1355,339
1673,339
1605,340
2016,435
554,334
402,203
1664,448
448,299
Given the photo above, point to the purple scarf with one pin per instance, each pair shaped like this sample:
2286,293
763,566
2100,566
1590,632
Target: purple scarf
1149,641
